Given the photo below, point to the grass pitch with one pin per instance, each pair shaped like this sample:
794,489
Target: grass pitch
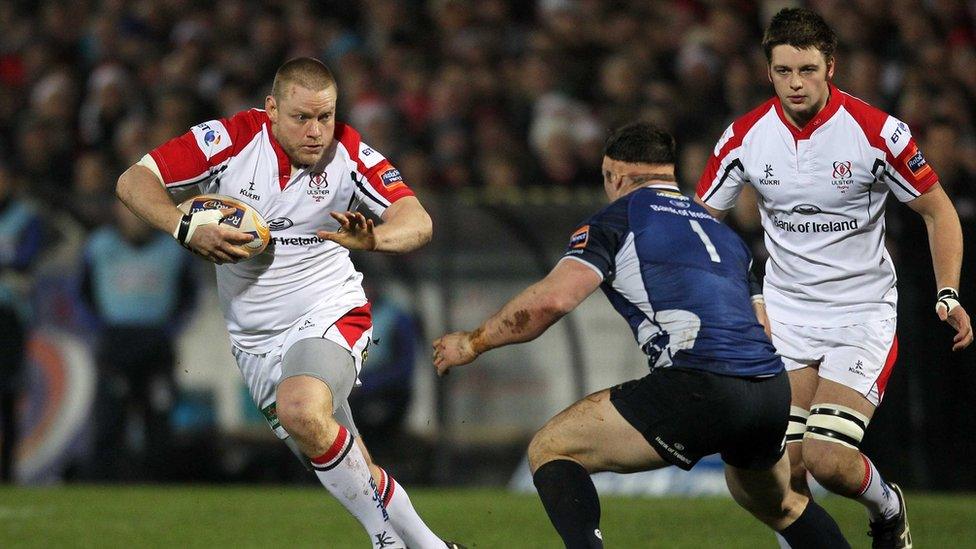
246,516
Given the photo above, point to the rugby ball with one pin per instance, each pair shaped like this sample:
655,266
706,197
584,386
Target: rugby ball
245,218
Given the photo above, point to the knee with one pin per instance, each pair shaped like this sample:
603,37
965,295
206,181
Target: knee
542,449
824,463
302,418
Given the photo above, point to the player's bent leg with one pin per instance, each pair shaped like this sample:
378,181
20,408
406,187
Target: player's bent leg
831,451
592,433
587,437
767,495
316,374
403,515
838,418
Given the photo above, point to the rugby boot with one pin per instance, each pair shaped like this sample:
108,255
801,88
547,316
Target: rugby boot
892,533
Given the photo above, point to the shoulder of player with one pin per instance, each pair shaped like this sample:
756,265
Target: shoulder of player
247,122
735,134
743,124
613,214
869,118
348,137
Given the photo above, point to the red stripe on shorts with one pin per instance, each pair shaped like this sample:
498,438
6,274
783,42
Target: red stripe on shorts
889,365
353,324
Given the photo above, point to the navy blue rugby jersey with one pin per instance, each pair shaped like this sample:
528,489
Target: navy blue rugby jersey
681,279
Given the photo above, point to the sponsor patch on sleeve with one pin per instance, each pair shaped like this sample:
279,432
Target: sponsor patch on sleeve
391,176
212,137
369,156
917,163
580,238
896,134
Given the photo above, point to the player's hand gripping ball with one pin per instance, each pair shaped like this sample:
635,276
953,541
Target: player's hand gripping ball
245,218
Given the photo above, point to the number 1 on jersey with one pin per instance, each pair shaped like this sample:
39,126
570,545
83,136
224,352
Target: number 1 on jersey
709,247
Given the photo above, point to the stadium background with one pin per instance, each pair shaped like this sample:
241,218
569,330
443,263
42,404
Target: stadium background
495,112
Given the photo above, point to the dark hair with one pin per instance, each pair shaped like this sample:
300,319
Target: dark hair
307,72
640,142
802,29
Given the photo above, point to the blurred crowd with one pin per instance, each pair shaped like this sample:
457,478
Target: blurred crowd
460,93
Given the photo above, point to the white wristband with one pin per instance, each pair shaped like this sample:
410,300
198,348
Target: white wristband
947,299
189,223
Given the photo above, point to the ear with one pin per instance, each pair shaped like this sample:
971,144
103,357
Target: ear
769,72
830,68
271,107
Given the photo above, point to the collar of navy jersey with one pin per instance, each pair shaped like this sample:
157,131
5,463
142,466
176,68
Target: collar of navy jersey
663,187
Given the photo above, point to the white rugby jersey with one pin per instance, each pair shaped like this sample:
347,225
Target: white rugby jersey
822,194
299,272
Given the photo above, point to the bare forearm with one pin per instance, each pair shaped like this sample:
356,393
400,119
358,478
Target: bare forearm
140,190
409,227
524,318
945,243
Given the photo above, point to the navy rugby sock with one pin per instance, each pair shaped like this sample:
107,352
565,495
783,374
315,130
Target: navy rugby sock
814,529
571,501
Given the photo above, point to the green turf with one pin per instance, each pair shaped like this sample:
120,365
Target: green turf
239,517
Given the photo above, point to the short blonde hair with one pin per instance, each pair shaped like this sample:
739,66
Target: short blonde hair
307,72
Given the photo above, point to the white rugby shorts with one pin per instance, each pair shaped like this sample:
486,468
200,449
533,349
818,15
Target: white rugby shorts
262,372
859,356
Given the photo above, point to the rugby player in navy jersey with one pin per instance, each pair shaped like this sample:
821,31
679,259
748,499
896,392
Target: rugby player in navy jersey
715,385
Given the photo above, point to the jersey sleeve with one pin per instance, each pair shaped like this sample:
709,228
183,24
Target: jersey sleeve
378,182
906,172
724,175
597,241
197,155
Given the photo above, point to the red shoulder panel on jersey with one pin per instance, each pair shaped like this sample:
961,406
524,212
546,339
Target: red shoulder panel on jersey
910,164
384,178
740,128
182,161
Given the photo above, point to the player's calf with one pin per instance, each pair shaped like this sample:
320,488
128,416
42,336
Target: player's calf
832,455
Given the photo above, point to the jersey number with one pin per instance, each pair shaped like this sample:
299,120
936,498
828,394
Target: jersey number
709,247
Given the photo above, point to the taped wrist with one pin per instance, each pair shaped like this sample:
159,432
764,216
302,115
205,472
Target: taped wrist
947,298
190,222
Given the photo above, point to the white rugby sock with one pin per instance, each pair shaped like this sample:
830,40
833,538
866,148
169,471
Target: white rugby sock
880,501
404,517
344,473
783,544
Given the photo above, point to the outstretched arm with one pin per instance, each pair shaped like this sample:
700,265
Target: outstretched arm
406,226
945,243
524,318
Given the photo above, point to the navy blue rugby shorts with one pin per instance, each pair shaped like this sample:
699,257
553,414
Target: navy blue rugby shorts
687,414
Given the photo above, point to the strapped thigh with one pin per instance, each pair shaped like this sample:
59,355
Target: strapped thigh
836,423
798,424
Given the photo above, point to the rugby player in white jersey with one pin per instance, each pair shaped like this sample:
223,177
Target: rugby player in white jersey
822,163
298,319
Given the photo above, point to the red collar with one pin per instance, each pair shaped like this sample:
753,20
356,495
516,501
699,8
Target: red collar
833,105
284,163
